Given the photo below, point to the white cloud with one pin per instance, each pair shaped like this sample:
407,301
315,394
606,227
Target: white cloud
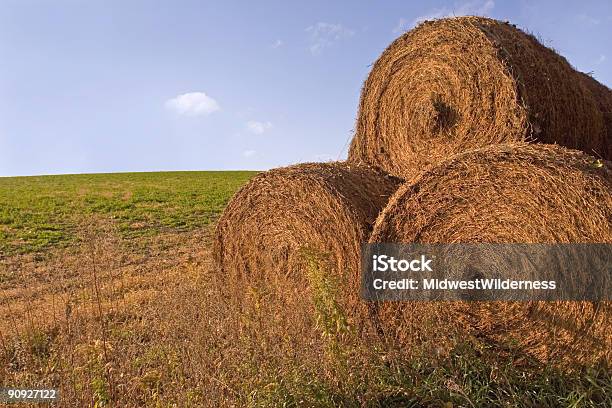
477,8
278,43
192,104
249,153
585,18
401,26
324,35
258,127
601,59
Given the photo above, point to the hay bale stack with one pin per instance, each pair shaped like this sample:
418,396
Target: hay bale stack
284,216
515,193
456,84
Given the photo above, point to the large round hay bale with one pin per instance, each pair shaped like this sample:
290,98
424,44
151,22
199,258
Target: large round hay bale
293,228
461,83
506,194
603,95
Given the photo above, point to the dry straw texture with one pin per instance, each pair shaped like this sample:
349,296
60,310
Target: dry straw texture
506,194
273,229
456,84
604,100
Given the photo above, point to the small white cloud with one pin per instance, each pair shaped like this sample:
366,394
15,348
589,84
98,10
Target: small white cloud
249,153
401,26
476,8
258,127
601,59
192,104
278,43
585,18
324,35
479,8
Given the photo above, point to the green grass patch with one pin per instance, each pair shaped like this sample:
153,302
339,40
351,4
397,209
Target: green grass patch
44,211
467,378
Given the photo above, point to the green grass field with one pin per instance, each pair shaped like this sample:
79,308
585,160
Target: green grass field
43,211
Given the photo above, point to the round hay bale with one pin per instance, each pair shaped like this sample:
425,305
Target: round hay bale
515,193
461,83
603,95
294,228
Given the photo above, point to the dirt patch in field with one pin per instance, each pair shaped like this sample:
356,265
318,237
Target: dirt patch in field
43,286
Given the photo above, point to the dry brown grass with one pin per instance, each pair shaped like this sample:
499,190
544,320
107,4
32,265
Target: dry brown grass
105,321
153,323
149,322
460,83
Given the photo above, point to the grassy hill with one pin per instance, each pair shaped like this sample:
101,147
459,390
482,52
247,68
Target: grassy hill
44,211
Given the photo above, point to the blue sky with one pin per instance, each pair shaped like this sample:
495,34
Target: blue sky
107,86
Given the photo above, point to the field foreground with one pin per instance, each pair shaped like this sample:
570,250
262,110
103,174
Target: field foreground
108,292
